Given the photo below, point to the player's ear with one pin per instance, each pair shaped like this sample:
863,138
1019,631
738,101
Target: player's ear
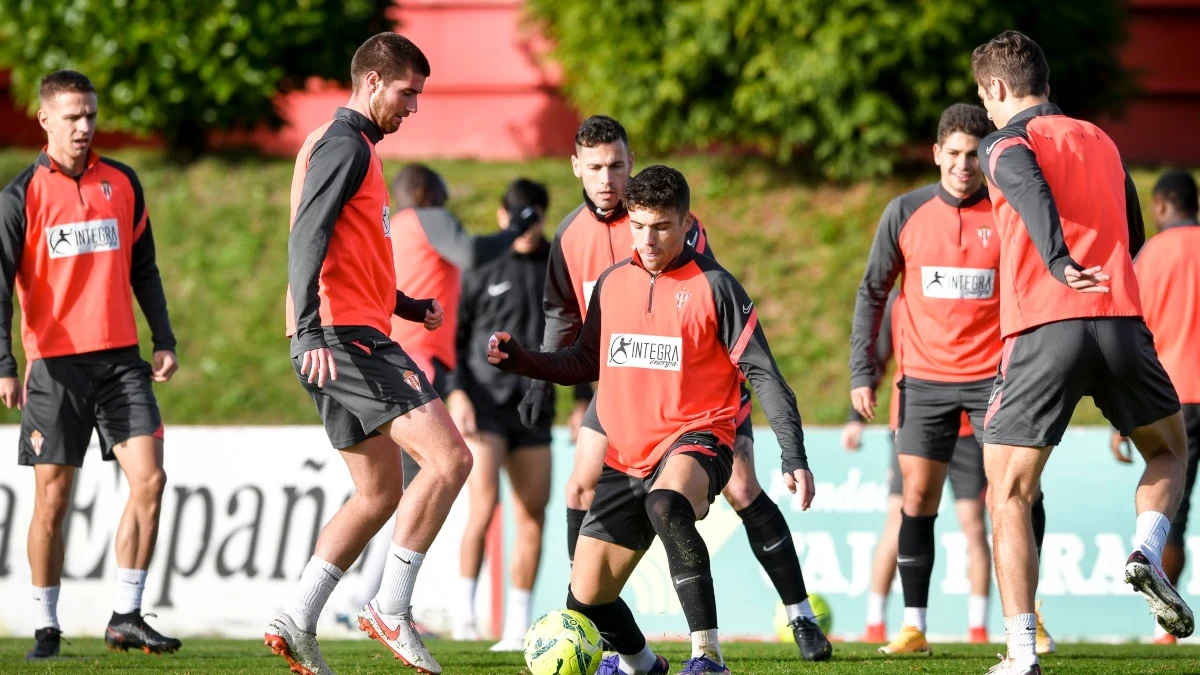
575,167
937,150
630,153
43,118
687,222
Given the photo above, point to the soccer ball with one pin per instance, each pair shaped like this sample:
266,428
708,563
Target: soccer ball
819,607
563,642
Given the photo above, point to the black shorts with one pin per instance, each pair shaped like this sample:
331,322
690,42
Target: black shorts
618,512
377,382
1191,419
931,415
505,421
68,396
1047,369
745,425
966,474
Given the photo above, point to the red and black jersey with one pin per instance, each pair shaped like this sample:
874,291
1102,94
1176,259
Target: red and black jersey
77,249
1168,272
949,322
669,350
341,282
1061,196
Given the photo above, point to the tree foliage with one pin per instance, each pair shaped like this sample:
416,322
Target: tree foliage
845,83
185,69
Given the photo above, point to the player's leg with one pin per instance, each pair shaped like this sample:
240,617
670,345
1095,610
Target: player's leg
483,486
528,466
590,448
1174,555
968,483
771,542
46,551
883,565
615,535
691,475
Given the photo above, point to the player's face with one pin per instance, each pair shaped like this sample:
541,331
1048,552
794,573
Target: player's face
604,170
958,158
391,103
658,236
70,122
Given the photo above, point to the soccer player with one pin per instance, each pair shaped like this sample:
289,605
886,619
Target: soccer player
1068,222
947,320
670,334
483,402
588,241
76,242
1168,274
371,396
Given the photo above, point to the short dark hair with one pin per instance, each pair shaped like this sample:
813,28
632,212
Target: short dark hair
418,185
659,188
1015,58
969,119
600,130
62,81
523,192
1178,188
391,55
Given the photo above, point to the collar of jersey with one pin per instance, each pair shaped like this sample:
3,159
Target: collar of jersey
360,122
1036,111
44,159
685,257
964,202
607,218
1180,222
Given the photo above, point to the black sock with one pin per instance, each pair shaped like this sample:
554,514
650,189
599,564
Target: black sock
687,555
574,522
915,559
1038,514
615,623
771,542
119,618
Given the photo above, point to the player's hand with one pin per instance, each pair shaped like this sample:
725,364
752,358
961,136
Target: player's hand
576,419
12,393
1121,449
852,436
318,364
462,411
434,317
1086,281
165,365
863,400
494,354
801,480
537,407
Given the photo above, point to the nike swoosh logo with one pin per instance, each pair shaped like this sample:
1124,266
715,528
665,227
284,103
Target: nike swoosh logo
406,562
904,561
499,289
772,547
988,150
746,308
389,633
680,582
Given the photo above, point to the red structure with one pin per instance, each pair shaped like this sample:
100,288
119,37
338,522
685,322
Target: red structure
494,96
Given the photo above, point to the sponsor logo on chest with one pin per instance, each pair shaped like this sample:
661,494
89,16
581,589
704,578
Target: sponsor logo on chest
91,236
654,352
958,283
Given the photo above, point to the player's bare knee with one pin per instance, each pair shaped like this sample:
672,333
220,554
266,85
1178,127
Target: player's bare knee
146,490
742,490
1166,436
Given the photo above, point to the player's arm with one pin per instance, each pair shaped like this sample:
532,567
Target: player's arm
883,349
884,264
411,309
12,245
144,276
1133,216
455,245
576,364
1012,167
337,166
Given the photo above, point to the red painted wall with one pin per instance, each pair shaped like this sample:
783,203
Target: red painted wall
492,96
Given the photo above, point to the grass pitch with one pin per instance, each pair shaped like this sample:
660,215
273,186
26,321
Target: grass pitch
459,658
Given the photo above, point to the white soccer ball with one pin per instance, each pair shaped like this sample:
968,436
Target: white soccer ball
563,642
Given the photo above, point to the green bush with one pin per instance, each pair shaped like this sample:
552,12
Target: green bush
185,69
847,83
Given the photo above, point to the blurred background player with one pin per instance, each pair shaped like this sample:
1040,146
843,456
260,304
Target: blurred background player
483,402
1061,194
1168,273
76,242
431,251
372,398
669,374
589,240
947,320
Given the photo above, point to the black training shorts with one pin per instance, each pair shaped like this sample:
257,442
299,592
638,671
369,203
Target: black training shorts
931,415
505,421
966,474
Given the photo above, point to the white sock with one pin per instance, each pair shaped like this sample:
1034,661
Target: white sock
316,583
516,614
45,607
466,599
977,609
1151,535
915,617
130,584
636,664
399,579
1022,637
876,608
704,643
802,608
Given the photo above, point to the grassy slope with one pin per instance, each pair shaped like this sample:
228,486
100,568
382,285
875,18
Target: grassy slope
221,230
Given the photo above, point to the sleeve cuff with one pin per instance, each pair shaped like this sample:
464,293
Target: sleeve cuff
858,381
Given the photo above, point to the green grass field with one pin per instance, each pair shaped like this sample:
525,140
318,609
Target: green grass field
252,658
